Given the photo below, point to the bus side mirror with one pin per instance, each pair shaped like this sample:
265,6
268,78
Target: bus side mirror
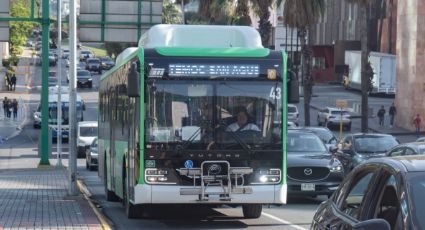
293,87
133,82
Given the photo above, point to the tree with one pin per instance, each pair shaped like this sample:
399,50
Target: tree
171,14
303,14
19,30
366,71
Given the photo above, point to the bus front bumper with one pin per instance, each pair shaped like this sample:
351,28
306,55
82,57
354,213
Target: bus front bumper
172,194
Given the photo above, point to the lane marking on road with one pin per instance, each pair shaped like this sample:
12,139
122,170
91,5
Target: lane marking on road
283,221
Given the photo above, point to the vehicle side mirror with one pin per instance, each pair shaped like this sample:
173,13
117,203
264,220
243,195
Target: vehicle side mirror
293,87
372,224
133,81
333,149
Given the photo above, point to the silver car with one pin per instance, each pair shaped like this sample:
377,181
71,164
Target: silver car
331,117
92,156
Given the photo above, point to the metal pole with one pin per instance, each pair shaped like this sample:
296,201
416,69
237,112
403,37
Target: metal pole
72,189
45,22
59,119
182,6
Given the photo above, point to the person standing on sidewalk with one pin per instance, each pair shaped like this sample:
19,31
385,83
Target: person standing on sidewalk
417,122
13,82
15,108
392,112
5,106
9,108
381,116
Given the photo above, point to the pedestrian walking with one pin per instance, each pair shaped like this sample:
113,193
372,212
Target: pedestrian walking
15,108
13,82
417,123
5,108
381,116
392,112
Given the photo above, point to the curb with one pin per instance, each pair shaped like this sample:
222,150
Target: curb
102,218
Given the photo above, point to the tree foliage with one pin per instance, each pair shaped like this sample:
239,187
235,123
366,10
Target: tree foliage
171,14
19,30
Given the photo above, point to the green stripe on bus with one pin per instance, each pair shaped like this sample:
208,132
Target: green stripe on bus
213,52
141,54
284,111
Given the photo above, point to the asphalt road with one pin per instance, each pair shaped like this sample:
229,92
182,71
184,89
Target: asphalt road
297,214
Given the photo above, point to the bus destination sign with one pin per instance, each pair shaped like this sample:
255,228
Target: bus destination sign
207,70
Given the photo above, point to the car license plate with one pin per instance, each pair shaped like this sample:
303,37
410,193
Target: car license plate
308,187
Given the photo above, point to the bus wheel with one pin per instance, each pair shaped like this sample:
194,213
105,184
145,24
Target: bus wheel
252,211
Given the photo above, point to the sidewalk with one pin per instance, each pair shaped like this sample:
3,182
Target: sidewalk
37,199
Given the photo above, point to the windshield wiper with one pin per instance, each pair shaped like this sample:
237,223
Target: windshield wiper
190,139
245,146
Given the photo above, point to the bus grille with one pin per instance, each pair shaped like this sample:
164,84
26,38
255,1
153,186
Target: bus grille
308,173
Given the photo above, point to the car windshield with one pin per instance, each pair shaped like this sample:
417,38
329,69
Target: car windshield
93,61
83,73
105,59
336,112
374,144
417,188
292,109
304,142
88,131
325,135
206,111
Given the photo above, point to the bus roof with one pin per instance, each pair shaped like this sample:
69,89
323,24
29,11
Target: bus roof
205,36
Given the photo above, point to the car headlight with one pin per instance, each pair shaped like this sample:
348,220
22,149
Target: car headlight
336,166
37,116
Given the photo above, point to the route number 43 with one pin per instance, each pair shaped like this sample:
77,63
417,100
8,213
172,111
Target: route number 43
276,93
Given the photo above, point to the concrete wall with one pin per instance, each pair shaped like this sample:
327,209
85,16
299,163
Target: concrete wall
410,98
4,26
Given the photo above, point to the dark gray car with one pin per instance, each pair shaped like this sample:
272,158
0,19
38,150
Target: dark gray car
357,148
311,169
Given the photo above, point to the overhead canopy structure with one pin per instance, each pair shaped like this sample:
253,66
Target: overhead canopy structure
207,36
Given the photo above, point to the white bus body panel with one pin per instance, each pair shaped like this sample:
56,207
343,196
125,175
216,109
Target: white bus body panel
170,194
384,69
207,36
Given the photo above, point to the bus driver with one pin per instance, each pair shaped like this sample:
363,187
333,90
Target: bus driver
242,123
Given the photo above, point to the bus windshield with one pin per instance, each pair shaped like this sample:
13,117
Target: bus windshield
219,111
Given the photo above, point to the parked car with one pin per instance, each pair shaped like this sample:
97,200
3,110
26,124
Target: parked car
92,156
84,54
93,65
106,63
413,148
86,133
65,53
311,169
84,78
383,193
324,134
357,148
291,125
293,114
331,117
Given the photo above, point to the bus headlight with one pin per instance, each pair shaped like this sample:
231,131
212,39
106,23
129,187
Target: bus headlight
156,176
268,176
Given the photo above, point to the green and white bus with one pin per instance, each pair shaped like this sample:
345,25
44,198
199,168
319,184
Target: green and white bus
167,117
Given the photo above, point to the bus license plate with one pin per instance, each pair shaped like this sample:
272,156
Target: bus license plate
308,187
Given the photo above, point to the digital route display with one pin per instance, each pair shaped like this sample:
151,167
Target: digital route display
211,70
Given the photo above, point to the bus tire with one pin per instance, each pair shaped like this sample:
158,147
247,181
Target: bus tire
252,211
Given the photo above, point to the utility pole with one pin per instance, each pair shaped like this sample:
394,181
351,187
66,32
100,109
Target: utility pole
45,22
59,118
72,188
